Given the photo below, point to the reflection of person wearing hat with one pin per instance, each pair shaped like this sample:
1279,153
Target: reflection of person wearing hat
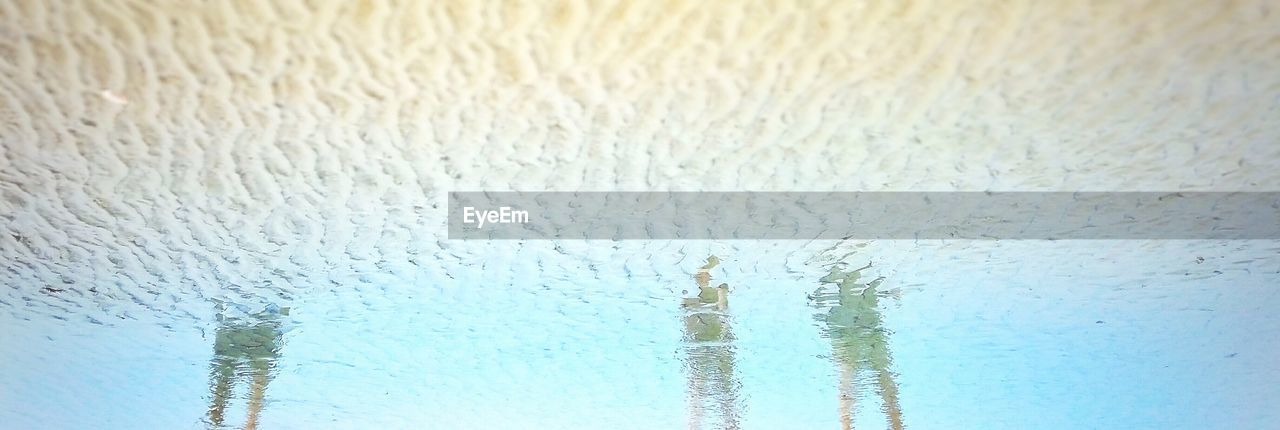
859,341
709,357
244,348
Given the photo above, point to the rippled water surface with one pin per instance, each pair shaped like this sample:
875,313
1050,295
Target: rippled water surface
668,335
233,214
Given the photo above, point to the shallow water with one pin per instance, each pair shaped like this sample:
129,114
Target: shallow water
956,335
234,212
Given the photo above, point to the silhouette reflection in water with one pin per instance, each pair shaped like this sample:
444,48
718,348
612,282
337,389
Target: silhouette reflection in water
858,340
708,345
246,349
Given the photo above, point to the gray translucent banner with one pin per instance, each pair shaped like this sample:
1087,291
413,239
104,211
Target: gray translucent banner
864,215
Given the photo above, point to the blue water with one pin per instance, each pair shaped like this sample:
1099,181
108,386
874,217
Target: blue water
1034,334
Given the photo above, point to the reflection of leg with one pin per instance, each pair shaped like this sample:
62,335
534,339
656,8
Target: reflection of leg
847,373
257,390
727,388
222,375
696,395
889,392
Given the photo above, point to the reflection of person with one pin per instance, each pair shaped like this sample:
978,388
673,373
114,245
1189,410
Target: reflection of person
858,339
709,350
244,348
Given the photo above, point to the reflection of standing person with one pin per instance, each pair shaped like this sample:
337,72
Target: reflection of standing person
859,341
709,350
244,348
